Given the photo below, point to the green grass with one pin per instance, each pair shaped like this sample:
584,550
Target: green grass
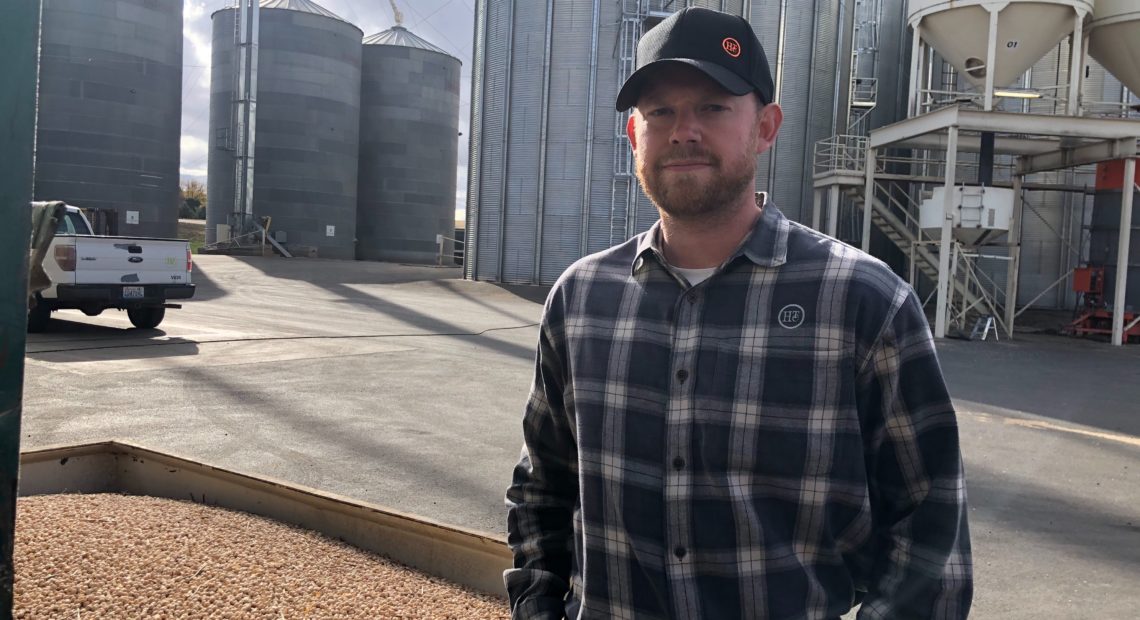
194,231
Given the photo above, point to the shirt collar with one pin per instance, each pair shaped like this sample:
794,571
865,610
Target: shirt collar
766,245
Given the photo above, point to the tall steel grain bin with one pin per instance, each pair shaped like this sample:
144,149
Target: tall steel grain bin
409,142
110,110
308,117
550,168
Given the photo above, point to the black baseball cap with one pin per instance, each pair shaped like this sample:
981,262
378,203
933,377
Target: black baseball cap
721,45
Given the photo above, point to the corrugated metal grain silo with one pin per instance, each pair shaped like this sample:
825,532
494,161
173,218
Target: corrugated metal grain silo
409,147
110,109
308,116
550,168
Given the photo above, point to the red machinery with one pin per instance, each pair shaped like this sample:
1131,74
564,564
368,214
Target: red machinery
1095,318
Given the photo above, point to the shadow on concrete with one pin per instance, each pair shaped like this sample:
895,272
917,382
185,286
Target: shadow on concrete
1029,507
78,341
69,326
320,270
343,279
207,288
464,289
429,324
536,294
116,351
1064,379
412,468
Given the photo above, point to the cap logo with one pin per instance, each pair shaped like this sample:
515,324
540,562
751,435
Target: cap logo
731,47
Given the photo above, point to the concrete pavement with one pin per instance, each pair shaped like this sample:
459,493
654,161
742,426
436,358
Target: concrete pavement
403,386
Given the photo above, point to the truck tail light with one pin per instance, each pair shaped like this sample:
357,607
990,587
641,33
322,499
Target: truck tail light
65,257
189,261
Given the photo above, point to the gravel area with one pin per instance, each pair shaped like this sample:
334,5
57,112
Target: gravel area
118,556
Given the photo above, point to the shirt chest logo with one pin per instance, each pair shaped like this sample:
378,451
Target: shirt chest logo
791,316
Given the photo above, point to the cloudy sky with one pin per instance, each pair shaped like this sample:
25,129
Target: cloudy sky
445,23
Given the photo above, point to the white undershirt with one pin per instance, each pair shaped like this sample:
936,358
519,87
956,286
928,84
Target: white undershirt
696,276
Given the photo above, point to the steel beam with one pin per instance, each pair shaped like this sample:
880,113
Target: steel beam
817,206
973,144
1013,269
833,211
991,56
914,101
1122,252
891,135
1076,67
1032,187
18,46
828,179
947,232
1004,123
1046,125
1079,156
869,198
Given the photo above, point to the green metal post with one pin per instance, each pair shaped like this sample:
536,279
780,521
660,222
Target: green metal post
19,35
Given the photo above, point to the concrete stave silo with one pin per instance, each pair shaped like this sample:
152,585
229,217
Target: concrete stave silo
409,128
308,115
110,110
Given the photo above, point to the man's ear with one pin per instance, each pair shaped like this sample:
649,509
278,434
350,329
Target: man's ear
771,118
629,130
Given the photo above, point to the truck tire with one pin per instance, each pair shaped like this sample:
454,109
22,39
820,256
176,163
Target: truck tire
39,317
146,318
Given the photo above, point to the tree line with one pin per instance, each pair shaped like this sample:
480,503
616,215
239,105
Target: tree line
192,200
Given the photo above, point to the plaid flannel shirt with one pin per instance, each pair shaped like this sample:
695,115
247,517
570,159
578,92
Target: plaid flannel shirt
775,442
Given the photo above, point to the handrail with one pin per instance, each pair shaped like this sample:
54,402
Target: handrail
864,89
232,242
993,304
439,239
912,224
842,152
899,212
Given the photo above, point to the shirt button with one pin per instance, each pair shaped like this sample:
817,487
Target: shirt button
679,463
682,375
680,553
692,299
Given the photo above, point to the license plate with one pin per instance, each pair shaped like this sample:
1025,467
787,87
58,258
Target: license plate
134,292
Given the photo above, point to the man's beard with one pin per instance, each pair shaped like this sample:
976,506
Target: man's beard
686,196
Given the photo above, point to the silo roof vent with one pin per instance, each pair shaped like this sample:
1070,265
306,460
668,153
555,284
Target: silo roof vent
398,35
303,6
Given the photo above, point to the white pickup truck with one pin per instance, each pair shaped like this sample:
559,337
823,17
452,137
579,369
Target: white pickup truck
92,274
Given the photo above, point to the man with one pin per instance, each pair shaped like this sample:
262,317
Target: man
733,416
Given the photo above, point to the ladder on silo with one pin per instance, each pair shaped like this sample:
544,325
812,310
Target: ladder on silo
246,32
624,190
624,186
864,85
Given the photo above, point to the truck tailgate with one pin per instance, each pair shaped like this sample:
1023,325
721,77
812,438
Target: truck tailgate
128,260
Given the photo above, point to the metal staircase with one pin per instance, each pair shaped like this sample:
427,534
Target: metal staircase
973,292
